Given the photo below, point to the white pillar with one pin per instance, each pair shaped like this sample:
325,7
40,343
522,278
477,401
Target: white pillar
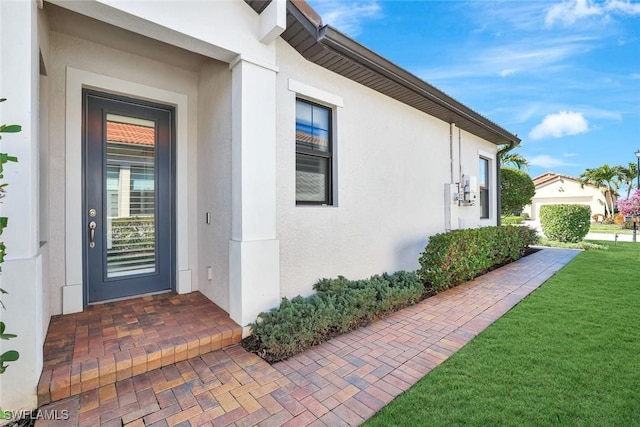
21,272
254,253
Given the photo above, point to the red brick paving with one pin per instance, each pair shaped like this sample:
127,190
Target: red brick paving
339,383
115,341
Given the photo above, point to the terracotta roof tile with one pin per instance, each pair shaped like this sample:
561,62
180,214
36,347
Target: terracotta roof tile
130,134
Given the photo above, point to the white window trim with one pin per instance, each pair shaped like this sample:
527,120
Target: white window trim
314,94
493,186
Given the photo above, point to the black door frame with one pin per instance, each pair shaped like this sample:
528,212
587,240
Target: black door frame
170,219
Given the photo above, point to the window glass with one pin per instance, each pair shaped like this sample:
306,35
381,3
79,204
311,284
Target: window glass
312,126
483,181
313,153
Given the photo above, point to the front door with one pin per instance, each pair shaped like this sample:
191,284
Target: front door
129,221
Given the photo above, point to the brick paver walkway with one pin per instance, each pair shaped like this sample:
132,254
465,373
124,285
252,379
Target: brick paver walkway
114,341
341,382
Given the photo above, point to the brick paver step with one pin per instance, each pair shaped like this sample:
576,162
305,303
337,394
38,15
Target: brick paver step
115,341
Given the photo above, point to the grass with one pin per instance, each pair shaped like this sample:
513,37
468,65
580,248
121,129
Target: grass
569,354
510,220
584,245
608,229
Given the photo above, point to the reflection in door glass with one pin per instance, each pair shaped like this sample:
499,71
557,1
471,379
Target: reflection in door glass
130,185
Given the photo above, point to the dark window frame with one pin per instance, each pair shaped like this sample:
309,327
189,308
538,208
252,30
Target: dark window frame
327,156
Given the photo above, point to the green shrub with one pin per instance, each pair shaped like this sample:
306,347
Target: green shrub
510,220
338,306
565,223
516,190
136,233
460,255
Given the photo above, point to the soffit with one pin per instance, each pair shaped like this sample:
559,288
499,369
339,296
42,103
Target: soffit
329,48
77,25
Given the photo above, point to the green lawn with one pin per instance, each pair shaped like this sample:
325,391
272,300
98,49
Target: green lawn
608,229
569,354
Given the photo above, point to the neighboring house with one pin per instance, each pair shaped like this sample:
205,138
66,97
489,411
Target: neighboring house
554,188
263,149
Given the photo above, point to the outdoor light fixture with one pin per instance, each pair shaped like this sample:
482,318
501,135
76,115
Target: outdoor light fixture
638,156
635,220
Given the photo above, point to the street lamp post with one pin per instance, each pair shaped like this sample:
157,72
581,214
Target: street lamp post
638,156
635,223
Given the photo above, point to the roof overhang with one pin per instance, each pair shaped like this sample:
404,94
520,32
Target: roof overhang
333,50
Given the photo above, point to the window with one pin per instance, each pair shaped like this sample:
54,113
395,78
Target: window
313,153
483,181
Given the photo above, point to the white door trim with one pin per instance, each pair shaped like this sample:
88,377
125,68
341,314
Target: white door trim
72,292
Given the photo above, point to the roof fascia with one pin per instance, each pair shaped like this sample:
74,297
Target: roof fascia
345,46
353,50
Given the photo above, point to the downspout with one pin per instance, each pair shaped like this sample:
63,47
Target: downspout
510,146
451,125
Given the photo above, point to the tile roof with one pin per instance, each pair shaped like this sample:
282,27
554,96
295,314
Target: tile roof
130,134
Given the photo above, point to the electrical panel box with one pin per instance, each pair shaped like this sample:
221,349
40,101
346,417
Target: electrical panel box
468,190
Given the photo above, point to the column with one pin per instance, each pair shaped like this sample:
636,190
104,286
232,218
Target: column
254,259
22,270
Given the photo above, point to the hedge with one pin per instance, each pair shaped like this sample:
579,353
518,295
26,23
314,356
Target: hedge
565,223
460,255
338,306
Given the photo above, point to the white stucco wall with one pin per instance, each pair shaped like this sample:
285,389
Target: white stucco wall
566,191
214,181
216,29
22,268
391,161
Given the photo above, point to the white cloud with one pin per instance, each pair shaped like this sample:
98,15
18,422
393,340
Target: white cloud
529,56
347,17
507,72
546,161
623,6
570,11
561,124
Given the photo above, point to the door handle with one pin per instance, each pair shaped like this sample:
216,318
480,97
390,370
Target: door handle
92,234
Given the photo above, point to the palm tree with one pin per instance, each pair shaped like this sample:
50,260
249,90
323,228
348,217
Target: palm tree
627,176
513,159
603,176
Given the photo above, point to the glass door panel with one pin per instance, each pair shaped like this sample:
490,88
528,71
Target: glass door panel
131,199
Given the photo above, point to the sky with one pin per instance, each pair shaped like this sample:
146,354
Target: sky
562,75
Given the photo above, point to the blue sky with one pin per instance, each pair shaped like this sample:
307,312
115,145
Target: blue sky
562,75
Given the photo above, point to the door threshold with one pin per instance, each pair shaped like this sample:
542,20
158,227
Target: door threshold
130,297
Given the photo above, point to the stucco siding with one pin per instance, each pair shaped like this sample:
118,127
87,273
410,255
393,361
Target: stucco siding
214,181
391,162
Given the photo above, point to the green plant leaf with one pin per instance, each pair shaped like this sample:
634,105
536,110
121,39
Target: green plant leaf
10,128
9,356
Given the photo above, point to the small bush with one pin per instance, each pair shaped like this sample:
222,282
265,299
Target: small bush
516,190
455,257
338,306
565,223
511,220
